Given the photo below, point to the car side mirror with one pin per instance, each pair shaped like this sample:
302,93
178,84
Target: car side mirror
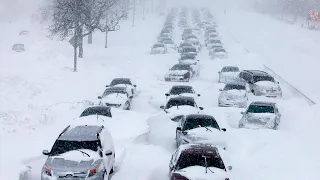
220,89
199,95
108,153
99,97
224,129
179,129
45,152
134,85
242,113
162,107
230,168
201,108
130,97
167,94
107,85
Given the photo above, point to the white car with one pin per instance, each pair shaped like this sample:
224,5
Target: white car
197,45
181,90
260,115
213,42
234,94
228,73
177,107
219,53
158,48
169,44
117,97
124,82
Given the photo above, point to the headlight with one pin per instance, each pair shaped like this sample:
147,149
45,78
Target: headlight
47,171
93,172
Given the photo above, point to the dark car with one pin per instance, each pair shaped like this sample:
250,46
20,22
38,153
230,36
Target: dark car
191,158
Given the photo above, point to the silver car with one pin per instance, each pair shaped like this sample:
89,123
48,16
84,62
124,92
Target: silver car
260,115
234,94
80,153
228,73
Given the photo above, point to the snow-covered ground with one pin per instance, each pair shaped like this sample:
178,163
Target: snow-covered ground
40,95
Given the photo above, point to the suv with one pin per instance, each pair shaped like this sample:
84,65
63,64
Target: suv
261,83
80,152
259,115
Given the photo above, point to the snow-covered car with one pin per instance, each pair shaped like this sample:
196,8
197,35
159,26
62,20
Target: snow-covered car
228,73
212,48
260,115
234,94
200,129
124,82
184,44
117,97
158,48
219,53
179,106
181,90
80,152
212,35
213,42
180,72
197,161
18,47
189,50
196,30
169,44
209,31
24,33
163,36
261,83
190,37
166,31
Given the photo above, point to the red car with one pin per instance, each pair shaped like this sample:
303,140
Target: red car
196,161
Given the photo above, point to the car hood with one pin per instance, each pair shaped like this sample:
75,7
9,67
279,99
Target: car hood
185,94
74,161
234,94
260,119
203,136
198,173
114,98
177,72
267,85
181,110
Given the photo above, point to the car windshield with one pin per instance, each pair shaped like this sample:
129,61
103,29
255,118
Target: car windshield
187,57
187,50
200,122
262,78
62,146
103,111
180,90
158,45
219,50
234,86
215,41
180,67
168,42
230,69
197,159
260,109
108,92
120,81
180,102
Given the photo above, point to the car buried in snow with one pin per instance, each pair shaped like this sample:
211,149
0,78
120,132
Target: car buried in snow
219,53
181,90
213,42
179,106
189,50
124,82
197,161
116,97
260,115
159,48
228,73
83,151
234,94
179,72
169,44
261,83
184,44
200,129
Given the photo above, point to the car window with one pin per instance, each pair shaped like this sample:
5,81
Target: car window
108,92
181,67
62,146
180,90
197,159
228,87
180,102
96,111
262,78
120,81
200,122
260,109
230,69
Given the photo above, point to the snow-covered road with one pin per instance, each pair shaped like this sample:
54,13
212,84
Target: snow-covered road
144,138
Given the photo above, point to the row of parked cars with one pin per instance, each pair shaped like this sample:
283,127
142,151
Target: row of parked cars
85,149
200,152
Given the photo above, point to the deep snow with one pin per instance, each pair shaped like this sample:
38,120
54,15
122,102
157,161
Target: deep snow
40,95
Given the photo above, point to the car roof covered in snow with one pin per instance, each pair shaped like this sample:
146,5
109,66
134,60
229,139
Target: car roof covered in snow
81,133
183,98
262,103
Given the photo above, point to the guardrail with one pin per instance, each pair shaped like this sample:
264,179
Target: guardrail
297,91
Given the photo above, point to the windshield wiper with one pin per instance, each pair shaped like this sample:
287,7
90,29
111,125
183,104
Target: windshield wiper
206,164
205,127
84,153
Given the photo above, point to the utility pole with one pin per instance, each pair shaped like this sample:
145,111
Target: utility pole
134,12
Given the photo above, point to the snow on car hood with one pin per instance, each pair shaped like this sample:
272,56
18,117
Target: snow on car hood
177,72
114,98
203,136
267,85
260,118
234,94
181,110
198,173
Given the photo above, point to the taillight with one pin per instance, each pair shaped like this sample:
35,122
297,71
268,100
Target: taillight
47,171
92,172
